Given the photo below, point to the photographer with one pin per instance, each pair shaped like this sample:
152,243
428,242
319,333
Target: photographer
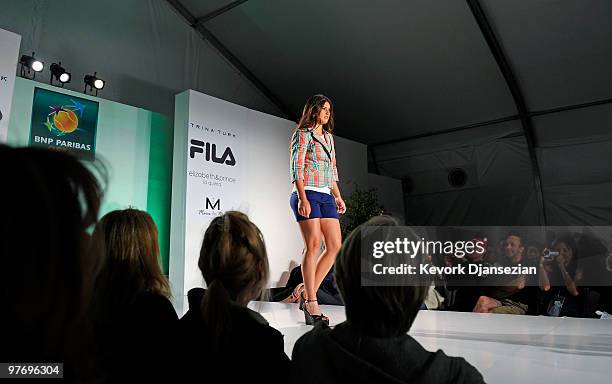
558,276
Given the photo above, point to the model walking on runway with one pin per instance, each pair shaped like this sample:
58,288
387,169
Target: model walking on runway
316,200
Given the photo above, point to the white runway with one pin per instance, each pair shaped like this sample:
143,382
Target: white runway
505,348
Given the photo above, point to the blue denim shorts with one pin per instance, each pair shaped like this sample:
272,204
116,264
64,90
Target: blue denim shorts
322,205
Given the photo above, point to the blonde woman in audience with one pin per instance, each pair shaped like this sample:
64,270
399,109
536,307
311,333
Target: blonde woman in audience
135,321
224,341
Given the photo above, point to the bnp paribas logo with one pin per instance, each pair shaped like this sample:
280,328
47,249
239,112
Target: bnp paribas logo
64,119
209,150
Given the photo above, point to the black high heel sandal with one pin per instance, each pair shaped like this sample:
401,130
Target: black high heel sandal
313,319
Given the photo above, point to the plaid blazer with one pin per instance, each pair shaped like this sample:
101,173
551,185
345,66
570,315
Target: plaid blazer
312,160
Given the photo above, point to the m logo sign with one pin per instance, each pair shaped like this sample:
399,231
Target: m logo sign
210,152
216,205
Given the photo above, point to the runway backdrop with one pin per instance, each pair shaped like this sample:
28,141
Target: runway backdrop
230,157
9,51
134,144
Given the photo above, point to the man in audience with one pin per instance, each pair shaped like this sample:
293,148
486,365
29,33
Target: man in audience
512,298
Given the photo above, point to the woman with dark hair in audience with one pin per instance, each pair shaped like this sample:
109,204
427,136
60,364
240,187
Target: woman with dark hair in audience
558,277
49,199
221,334
372,345
135,321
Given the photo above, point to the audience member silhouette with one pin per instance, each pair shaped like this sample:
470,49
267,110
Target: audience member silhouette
372,345
49,200
135,321
559,276
224,340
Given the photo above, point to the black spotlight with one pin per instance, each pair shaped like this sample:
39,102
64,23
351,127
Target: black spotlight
31,64
93,82
59,73
457,177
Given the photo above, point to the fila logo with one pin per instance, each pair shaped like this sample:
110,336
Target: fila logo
216,205
210,152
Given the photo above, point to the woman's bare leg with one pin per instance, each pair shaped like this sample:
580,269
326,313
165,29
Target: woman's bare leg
311,233
330,228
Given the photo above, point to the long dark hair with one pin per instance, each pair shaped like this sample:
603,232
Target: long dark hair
311,111
234,264
569,242
131,260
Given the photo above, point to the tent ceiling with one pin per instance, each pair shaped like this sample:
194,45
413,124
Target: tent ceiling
199,8
561,51
397,69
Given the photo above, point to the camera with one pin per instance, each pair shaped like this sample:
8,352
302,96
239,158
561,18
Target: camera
549,255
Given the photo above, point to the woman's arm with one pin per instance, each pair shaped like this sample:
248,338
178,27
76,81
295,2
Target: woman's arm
299,185
339,202
303,203
334,168
567,279
334,188
299,146
543,277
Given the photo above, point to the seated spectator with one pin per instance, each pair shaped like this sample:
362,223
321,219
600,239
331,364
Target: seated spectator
326,295
534,253
433,299
605,302
372,345
601,276
558,277
50,199
466,289
133,316
224,341
514,298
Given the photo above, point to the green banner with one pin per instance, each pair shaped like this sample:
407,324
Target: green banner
64,122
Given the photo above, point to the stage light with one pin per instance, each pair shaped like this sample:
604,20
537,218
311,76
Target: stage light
93,82
37,66
31,64
59,73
